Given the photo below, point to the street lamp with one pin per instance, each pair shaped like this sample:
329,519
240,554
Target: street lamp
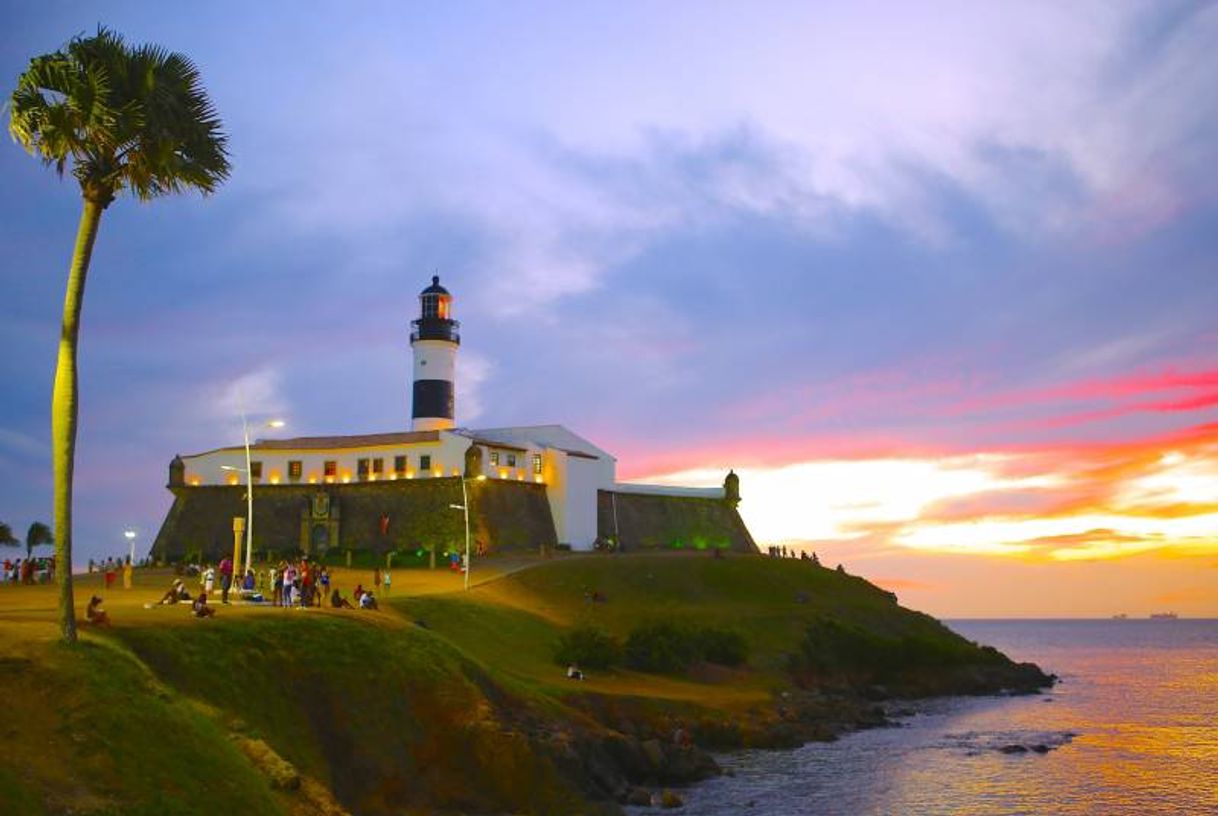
249,489
464,507
130,536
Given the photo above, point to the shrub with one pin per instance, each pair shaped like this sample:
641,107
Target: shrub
660,647
589,648
726,647
668,647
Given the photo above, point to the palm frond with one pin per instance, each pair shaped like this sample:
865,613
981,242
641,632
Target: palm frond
122,117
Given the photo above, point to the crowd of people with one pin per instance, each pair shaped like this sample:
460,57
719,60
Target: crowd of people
289,584
782,551
29,570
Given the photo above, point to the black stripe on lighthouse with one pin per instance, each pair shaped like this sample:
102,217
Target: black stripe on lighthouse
433,399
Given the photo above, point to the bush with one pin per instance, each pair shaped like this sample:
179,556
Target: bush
660,647
667,647
589,648
723,646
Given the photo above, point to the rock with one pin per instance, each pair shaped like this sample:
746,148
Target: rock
1041,748
654,752
1013,749
669,799
640,797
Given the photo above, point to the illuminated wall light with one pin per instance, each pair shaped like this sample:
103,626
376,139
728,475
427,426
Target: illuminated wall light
520,476
410,474
274,478
456,472
503,473
537,478
329,480
232,478
372,477
346,478
437,472
393,477
195,481
312,478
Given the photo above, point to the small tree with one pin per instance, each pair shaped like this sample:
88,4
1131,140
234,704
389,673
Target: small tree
38,535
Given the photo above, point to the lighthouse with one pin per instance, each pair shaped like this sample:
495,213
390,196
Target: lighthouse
434,339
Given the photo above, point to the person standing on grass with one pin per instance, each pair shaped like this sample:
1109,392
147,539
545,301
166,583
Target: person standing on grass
128,574
226,578
209,579
376,578
388,579
324,581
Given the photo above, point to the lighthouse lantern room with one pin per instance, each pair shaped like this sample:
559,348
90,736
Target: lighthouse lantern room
434,339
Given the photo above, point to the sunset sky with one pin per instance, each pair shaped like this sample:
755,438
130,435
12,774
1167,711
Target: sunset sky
939,280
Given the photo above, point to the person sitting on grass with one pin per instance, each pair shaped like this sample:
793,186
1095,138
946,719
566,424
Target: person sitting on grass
358,593
337,601
95,614
200,607
367,601
574,672
176,592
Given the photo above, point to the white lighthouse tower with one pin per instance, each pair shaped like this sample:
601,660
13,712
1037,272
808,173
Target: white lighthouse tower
434,339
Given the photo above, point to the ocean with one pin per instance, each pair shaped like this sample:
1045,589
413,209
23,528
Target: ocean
1132,728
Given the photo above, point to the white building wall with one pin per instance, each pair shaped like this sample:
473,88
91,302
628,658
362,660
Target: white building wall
447,459
584,478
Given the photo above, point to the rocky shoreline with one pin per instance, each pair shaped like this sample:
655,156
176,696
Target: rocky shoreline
646,750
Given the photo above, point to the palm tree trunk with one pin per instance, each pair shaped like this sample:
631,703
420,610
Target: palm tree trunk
63,414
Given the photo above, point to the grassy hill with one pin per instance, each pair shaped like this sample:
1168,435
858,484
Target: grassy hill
447,701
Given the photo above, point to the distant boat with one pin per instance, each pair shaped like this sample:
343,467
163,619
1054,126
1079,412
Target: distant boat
1164,616
1121,616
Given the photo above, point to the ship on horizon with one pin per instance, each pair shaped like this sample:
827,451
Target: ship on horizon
1163,616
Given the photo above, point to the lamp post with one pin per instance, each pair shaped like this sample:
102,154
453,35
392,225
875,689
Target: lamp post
130,536
249,490
464,507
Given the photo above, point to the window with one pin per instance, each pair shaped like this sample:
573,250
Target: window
378,466
256,470
511,460
331,469
537,463
399,464
295,469
425,463
494,458
361,469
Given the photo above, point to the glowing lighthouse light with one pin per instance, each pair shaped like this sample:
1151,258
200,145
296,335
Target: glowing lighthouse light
434,340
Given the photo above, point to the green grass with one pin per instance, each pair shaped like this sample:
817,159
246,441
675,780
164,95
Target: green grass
130,747
396,718
390,717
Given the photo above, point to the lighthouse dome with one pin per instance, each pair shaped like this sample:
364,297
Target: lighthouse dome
435,288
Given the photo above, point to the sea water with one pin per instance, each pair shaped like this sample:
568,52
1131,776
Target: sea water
1132,728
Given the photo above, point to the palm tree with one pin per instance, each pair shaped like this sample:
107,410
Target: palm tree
125,118
38,535
6,536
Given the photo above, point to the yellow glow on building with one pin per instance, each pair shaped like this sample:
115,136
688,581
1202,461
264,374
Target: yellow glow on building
312,478
393,477
456,472
329,480
503,473
410,474
437,472
274,477
537,478
195,481
346,478
232,478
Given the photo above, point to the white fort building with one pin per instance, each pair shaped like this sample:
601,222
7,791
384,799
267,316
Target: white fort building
577,475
